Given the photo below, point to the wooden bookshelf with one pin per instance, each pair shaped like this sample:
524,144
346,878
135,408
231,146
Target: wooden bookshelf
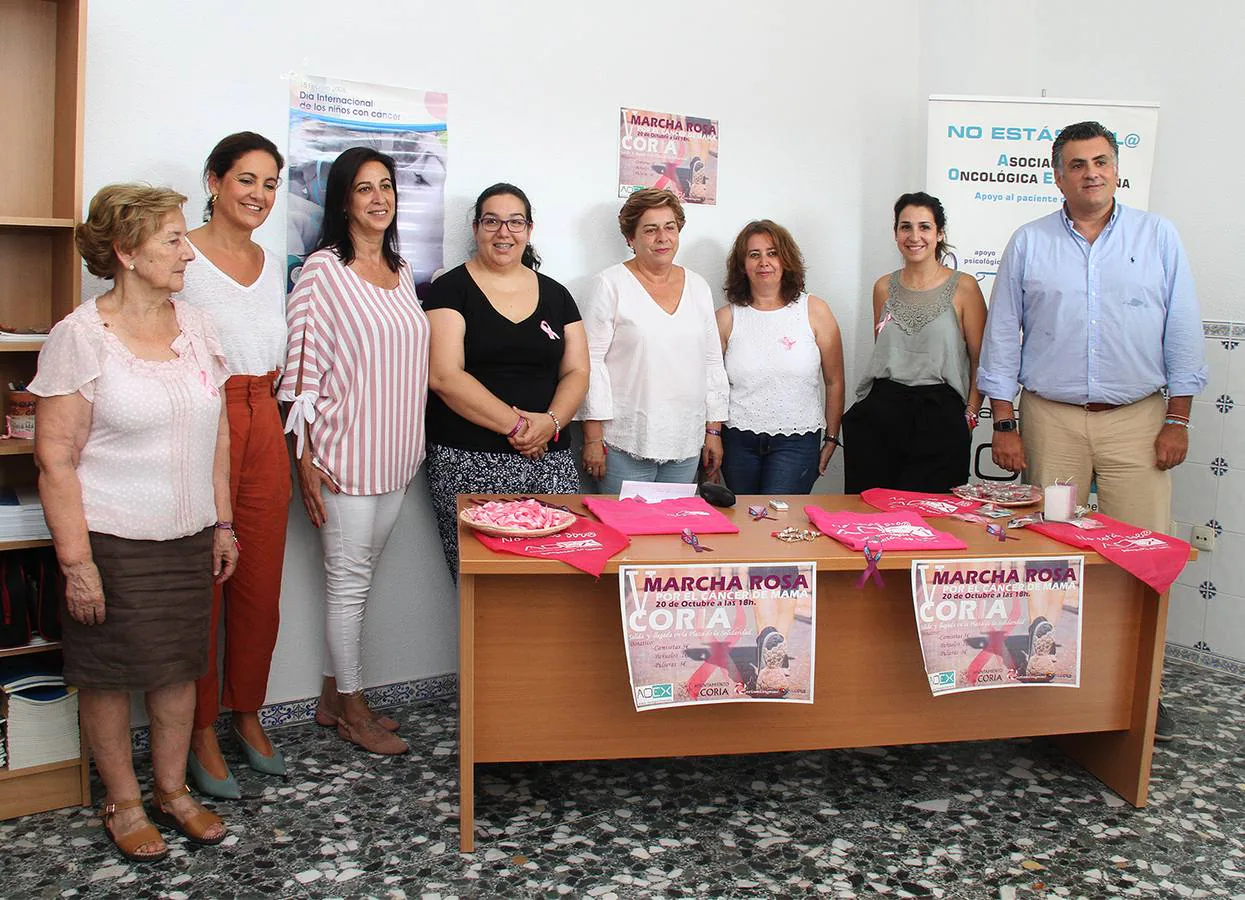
42,72
16,446
25,649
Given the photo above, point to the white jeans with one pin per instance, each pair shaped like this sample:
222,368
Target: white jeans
353,539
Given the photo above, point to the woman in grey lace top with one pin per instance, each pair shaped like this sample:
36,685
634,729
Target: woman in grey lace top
911,426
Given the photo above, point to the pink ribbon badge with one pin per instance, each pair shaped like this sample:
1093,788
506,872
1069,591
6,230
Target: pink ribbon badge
203,379
1000,532
873,556
689,538
544,326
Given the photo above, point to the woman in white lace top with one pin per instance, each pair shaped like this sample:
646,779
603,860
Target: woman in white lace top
784,359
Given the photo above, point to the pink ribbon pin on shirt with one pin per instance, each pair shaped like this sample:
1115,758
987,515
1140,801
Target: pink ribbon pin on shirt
544,326
203,379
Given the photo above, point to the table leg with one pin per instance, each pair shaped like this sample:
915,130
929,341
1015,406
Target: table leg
466,712
1121,759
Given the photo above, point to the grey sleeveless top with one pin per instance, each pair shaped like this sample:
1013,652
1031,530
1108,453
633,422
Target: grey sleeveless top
919,340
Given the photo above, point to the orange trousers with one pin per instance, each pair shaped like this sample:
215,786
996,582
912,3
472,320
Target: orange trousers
259,487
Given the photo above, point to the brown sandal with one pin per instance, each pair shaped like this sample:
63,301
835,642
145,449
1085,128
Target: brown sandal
372,738
127,844
195,827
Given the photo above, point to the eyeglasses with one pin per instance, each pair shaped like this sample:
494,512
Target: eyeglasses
517,225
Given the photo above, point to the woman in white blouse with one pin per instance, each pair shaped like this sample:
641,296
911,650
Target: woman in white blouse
782,349
242,287
657,390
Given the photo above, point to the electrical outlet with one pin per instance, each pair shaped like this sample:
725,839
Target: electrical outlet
1203,537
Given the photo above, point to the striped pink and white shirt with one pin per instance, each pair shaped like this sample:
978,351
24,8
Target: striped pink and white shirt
362,352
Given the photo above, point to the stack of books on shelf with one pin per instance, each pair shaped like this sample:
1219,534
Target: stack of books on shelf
41,720
21,515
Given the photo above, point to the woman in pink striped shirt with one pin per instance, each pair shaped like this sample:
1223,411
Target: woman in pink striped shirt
356,377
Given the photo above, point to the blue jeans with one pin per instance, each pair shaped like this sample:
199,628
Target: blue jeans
770,463
620,467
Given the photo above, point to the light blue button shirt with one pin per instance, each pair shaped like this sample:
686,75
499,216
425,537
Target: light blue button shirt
1107,322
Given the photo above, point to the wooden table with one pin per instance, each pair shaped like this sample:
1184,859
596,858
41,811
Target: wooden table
543,676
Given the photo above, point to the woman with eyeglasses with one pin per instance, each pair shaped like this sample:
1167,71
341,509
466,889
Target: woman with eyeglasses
241,286
508,369
658,392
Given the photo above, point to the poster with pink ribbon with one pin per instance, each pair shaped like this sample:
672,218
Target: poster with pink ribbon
996,623
733,633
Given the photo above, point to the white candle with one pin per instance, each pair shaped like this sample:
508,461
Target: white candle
1060,502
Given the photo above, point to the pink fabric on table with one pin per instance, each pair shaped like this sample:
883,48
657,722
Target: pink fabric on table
932,505
892,530
1157,559
633,516
586,545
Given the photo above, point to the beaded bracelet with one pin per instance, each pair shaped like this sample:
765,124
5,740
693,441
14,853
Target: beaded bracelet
557,426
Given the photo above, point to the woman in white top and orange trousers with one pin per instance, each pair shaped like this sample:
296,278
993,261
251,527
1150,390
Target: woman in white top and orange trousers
241,286
657,392
357,378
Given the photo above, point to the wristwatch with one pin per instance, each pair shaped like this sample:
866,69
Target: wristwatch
1005,425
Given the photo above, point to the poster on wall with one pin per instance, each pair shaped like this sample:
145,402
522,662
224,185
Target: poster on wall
996,623
329,115
666,150
988,161
742,632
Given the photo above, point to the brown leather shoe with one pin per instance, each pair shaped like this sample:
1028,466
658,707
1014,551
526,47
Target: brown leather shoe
372,738
326,719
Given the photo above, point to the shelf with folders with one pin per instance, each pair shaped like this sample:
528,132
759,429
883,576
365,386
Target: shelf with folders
42,72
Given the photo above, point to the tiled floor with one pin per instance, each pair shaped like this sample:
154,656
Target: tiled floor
1004,819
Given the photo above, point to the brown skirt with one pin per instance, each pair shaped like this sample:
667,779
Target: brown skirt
157,606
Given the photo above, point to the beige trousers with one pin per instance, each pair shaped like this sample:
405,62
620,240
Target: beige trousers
1065,442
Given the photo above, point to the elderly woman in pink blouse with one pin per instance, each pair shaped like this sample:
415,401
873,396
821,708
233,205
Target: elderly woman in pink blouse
132,447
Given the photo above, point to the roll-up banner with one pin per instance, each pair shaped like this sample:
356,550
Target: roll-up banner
988,161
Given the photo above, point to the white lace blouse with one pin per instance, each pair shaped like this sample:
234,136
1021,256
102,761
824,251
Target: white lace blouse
655,377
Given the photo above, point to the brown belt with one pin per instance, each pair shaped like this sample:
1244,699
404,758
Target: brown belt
1100,407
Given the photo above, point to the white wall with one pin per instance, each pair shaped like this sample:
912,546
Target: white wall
1184,57
822,115
1179,55
821,122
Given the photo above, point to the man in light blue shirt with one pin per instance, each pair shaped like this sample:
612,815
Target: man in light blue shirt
1105,300
1094,312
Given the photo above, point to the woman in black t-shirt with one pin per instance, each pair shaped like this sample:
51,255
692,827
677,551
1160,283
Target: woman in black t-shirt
508,369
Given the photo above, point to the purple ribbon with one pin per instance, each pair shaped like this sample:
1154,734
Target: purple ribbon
689,538
1000,532
872,558
544,326
760,512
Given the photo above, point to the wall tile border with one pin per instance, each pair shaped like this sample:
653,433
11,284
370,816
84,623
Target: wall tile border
295,712
1206,660
1223,330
